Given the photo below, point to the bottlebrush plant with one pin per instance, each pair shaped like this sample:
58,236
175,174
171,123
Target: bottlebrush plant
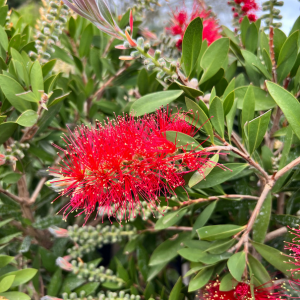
127,172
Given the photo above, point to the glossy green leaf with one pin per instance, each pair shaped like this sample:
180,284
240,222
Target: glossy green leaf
217,232
10,88
5,260
209,166
216,114
175,293
214,58
263,101
36,79
274,257
7,129
28,118
262,221
199,118
3,39
85,41
256,130
9,237
228,103
193,93
248,106
258,270
191,45
182,140
168,249
15,296
219,175
6,283
193,270
220,246
154,101
237,264
204,216
201,279
228,283
251,38
192,254
170,219
287,220
21,276
287,56
288,104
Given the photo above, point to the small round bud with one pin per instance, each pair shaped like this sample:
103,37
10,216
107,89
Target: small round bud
147,47
157,54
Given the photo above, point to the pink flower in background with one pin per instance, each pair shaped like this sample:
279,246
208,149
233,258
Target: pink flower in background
113,167
2,159
182,18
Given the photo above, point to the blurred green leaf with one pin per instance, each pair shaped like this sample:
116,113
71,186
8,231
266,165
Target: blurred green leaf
21,276
237,264
7,129
228,283
182,140
216,114
6,283
175,293
251,38
201,279
191,45
15,295
216,232
170,219
28,118
85,41
258,270
248,106
5,260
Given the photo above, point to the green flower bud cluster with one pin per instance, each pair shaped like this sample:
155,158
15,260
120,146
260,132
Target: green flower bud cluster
54,16
89,238
101,296
16,150
140,5
273,13
92,273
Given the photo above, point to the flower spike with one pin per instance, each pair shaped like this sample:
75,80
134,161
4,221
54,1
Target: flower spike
131,22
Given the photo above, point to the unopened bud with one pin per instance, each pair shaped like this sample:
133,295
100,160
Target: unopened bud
157,54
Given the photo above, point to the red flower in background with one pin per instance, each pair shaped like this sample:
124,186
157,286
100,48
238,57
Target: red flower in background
242,291
113,167
182,18
242,8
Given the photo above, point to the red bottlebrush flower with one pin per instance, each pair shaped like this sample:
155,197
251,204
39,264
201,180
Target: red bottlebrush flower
124,162
182,18
252,17
294,249
242,291
235,15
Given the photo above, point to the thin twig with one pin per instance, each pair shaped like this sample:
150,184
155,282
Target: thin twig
181,228
284,170
212,198
37,191
12,196
276,233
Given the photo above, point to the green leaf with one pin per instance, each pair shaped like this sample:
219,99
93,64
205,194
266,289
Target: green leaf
263,101
3,39
193,93
85,41
168,249
7,130
197,267
36,79
201,279
216,114
227,283
15,296
143,82
217,232
286,220
220,246
5,260
244,28
11,178
55,283
182,140
170,219
200,118
175,293
262,221
214,58
6,283
251,38
288,104
88,288
48,67
248,106
152,102
29,96
209,166
256,130
258,270
8,238
191,45
21,276
279,39
59,99
237,264
10,88
228,103
230,118
204,216
274,257
219,175
287,56
28,118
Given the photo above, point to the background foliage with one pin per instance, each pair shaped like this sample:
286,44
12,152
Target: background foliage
244,87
